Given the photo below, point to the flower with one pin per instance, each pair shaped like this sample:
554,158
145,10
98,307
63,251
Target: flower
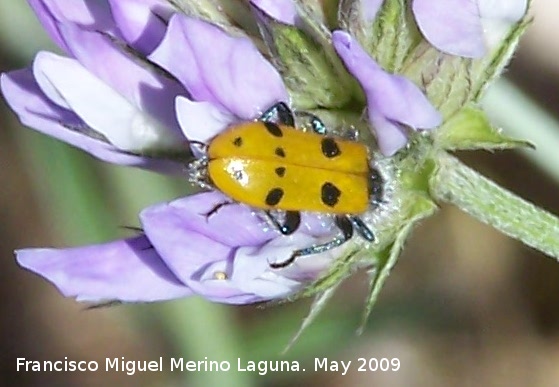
392,100
183,251
467,28
150,100
120,112
138,82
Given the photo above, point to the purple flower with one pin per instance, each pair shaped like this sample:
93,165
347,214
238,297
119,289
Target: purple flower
119,104
281,10
182,252
467,28
393,101
229,83
140,23
121,109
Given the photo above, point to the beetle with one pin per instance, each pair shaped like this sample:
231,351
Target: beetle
270,164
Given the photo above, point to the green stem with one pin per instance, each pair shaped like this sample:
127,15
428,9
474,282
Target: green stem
484,200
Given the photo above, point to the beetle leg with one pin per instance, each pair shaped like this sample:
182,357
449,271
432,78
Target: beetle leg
361,228
376,187
215,209
343,223
279,113
290,223
314,122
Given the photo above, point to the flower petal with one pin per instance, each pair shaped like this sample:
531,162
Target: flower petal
184,251
399,99
252,273
282,10
36,111
248,278
370,9
222,290
150,92
201,121
98,105
390,136
510,10
92,14
127,270
452,26
233,75
197,247
497,17
142,22
391,99
200,213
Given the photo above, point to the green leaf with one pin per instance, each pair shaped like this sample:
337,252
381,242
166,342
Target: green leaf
470,129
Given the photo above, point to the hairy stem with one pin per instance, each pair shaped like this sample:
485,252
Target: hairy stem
478,196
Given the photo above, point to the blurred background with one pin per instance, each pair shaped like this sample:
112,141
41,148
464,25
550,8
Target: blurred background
464,306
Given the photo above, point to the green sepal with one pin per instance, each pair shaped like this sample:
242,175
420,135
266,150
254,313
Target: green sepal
323,289
395,42
337,272
422,208
311,70
226,15
470,129
452,82
323,12
413,203
416,174
319,302
398,33
390,38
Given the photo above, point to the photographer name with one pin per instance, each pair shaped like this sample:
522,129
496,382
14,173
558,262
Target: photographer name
130,367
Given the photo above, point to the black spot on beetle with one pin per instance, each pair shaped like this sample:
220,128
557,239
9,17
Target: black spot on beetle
330,194
238,141
274,196
280,171
280,152
273,129
330,148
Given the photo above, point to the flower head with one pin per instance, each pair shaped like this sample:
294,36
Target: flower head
171,89
140,81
